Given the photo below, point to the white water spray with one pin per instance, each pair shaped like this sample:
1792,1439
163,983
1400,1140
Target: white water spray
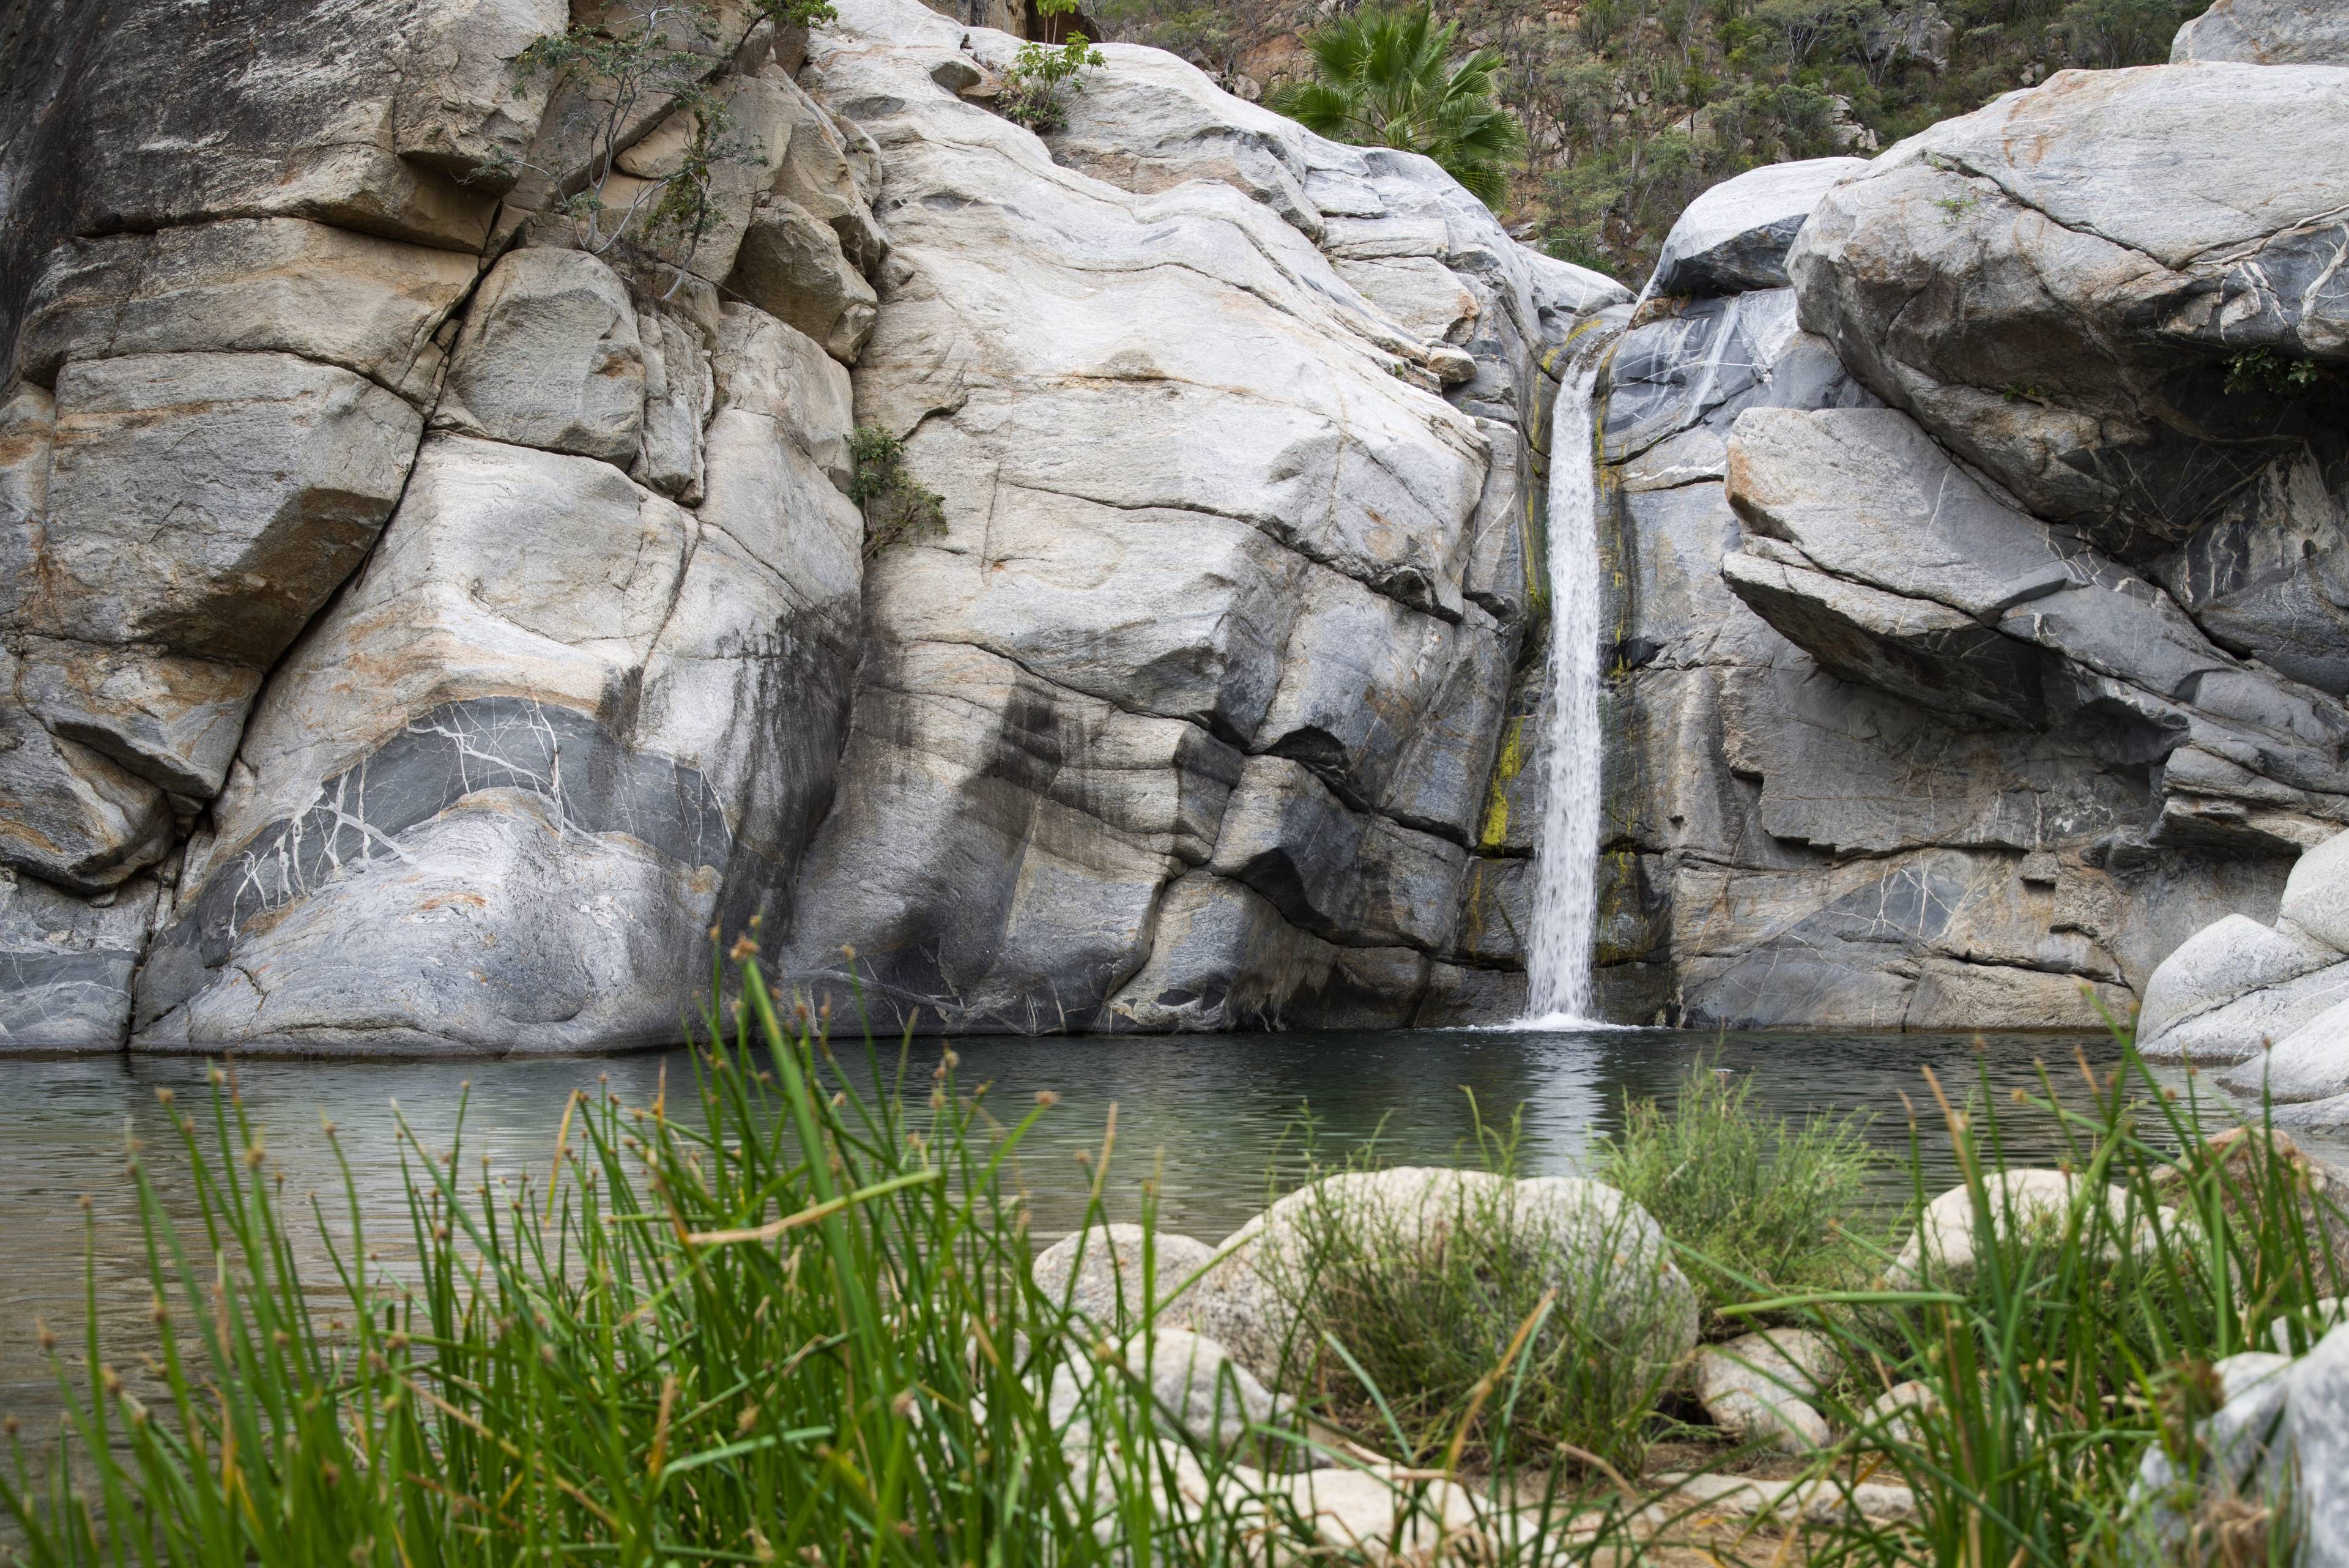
1566,863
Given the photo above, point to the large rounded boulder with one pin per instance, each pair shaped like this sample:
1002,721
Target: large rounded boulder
1603,1255
2060,286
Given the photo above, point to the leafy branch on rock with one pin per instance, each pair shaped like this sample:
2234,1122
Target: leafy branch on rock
798,13
2260,370
2278,385
629,67
1037,87
897,507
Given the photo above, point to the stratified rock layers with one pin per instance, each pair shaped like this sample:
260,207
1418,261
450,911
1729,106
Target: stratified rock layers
428,616
424,621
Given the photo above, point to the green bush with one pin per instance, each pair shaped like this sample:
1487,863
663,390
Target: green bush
1042,78
897,507
1755,1205
633,62
1463,1316
799,13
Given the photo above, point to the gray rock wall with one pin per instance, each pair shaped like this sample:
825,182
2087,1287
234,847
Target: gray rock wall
2266,33
421,627
1966,710
1187,721
426,622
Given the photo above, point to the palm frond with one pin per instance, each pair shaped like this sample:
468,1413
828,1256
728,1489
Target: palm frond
1389,79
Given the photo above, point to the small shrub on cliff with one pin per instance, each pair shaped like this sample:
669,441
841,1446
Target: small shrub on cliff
628,65
897,508
1753,1202
1037,87
798,13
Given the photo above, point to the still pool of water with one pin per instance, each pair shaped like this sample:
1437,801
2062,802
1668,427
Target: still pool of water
1218,1115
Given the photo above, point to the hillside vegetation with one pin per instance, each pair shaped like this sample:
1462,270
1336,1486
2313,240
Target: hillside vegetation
1633,107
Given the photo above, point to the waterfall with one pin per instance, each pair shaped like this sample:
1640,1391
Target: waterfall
1567,863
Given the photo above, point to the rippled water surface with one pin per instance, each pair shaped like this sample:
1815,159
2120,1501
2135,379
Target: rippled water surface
1220,1114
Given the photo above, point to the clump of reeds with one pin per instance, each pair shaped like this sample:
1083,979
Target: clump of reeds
1756,1204
2075,1340
1412,1301
796,1325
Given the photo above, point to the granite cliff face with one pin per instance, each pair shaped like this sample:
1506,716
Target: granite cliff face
1978,629
425,622
1186,720
425,619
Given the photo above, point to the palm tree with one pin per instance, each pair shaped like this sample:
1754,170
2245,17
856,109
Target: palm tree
1386,79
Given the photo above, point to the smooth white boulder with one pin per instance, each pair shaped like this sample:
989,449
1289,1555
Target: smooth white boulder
1891,1416
2234,986
2316,895
1212,1399
1099,1273
2021,1204
1758,1386
1735,235
2312,1063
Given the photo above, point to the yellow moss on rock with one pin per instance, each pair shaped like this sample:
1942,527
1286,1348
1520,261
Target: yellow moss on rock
1506,767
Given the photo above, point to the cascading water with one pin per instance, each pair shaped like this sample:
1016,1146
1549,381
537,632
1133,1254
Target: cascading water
1566,866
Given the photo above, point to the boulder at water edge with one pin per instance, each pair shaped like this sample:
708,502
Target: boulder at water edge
1102,1274
2274,1001
2023,1206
